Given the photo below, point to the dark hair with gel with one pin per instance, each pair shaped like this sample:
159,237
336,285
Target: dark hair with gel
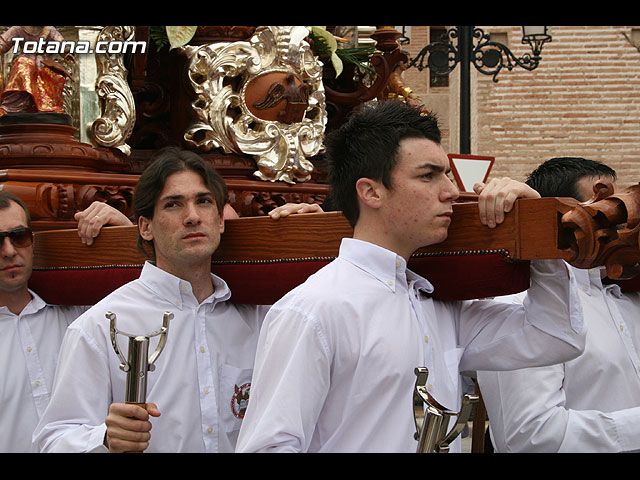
366,146
558,177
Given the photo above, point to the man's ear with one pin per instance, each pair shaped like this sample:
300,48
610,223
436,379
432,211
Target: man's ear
144,227
370,192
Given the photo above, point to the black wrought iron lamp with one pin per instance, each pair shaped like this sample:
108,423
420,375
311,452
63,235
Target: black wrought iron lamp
488,57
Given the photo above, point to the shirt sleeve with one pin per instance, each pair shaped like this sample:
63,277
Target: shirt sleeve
527,413
73,422
546,329
281,416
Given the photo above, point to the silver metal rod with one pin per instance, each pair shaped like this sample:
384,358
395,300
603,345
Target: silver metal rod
136,391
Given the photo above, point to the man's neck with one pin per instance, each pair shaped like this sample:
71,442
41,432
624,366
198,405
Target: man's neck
15,301
199,276
377,237
202,287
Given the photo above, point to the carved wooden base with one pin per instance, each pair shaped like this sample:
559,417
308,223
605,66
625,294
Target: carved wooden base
54,196
58,176
254,198
55,174
47,141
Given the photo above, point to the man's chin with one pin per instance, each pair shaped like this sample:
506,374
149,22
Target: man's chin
14,284
198,253
438,236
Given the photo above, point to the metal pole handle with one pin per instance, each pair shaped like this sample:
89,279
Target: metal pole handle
432,420
138,363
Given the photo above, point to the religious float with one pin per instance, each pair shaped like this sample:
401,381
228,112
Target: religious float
256,102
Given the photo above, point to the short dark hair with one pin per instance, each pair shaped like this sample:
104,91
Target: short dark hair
366,146
172,160
558,177
5,202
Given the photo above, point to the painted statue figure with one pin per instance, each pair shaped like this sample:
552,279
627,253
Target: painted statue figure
35,82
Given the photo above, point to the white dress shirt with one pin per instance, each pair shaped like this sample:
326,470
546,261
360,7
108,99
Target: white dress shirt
29,346
590,404
200,378
336,356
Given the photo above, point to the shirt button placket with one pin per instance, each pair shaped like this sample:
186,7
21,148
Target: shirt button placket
208,402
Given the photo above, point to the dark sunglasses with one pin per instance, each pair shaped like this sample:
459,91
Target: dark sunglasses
20,237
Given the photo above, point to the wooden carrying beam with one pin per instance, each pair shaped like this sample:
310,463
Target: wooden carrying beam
261,258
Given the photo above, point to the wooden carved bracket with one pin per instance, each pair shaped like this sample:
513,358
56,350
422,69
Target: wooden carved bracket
605,231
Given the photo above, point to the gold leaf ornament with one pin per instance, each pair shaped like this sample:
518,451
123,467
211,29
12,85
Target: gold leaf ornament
179,36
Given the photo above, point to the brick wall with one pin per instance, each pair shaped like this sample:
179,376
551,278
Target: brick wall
583,100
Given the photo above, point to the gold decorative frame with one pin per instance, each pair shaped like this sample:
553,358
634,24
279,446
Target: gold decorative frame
221,75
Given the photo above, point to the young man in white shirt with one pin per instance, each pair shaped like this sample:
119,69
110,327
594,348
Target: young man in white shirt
195,391
591,403
336,357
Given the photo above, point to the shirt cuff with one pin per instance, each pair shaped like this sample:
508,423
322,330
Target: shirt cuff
628,427
96,440
556,286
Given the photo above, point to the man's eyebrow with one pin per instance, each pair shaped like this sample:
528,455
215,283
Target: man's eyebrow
433,167
179,196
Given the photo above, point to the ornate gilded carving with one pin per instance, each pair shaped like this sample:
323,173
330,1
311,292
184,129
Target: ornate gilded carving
605,231
117,106
236,86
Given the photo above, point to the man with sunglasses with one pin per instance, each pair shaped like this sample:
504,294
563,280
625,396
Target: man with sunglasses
30,331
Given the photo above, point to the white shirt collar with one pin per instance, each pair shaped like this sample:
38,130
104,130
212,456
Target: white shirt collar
383,264
592,278
35,304
177,290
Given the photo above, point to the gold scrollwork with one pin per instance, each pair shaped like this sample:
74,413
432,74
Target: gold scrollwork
117,105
